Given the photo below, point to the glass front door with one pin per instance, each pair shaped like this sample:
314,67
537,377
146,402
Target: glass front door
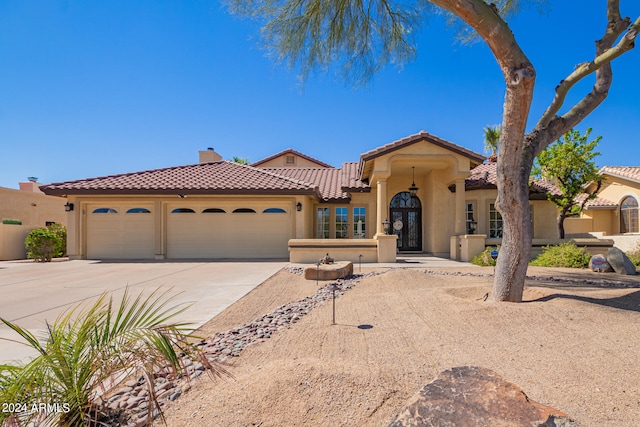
406,221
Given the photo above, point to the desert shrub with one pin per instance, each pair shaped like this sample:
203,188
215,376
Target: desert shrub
42,244
564,255
86,348
634,255
484,259
61,231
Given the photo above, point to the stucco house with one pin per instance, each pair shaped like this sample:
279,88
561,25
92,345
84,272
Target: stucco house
23,210
419,194
614,212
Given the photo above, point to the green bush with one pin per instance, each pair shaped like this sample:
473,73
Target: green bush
634,255
61,231
43,244
564,255
484,259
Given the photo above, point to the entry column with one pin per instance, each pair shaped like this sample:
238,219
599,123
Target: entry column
461,220
381,205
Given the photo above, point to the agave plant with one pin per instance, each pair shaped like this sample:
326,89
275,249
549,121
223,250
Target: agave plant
88,351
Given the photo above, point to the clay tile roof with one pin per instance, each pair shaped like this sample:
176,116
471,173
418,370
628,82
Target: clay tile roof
628,172
204,178
291,151
597,203
350,178
485,176
328,181
421,136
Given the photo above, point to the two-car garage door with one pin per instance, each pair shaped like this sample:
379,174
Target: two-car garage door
228,232
128,231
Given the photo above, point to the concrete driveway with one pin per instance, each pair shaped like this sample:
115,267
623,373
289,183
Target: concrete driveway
31,293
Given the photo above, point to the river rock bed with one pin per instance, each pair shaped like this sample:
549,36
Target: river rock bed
223,346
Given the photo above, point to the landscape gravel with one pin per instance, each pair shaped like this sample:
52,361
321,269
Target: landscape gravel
225,345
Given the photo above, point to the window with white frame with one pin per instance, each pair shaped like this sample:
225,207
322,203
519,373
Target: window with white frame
359,223
471,222
322,223
629,215
342,223
495,222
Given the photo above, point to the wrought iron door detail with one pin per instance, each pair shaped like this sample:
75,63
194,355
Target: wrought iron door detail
406,215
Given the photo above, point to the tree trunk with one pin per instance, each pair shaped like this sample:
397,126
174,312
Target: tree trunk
513,204
561,217
515,160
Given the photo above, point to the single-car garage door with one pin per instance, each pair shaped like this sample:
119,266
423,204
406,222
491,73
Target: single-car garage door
120,232
228,232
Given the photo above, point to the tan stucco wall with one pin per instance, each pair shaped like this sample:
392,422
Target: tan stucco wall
34,209
544,219
602,221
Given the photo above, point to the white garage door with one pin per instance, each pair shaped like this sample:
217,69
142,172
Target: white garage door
120,232
228,232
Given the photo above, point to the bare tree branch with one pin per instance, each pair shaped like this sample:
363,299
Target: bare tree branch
605,53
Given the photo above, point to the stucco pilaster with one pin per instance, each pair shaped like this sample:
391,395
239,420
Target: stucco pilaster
381,204
460,208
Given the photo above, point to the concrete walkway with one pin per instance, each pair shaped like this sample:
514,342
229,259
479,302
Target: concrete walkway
410,261
32,294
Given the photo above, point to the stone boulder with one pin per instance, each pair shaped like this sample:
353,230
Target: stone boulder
337,270
620,262
473,396
600,264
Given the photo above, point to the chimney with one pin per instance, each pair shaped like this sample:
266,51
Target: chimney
31,185
209,156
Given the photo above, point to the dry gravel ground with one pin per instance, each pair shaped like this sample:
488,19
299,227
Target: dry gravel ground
571,346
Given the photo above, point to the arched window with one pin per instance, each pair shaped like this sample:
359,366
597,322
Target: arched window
104,210
244,210
183,210
138,210
404,200
629,215
274,210
214,210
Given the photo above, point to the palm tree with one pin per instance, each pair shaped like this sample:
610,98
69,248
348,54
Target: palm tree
491,140
241,160
87,349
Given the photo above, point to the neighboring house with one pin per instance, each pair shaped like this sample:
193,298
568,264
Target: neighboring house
23,210
614,212
292,205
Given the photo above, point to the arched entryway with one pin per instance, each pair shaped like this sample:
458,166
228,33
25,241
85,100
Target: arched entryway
406,221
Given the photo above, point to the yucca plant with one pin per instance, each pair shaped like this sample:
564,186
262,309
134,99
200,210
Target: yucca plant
88,350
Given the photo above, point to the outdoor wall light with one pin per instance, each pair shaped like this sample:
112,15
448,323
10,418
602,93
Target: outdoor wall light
472,226
68,207
386,226
413,190
299,207
182,196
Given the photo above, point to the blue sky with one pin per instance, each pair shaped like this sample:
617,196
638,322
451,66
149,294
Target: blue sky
96,88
